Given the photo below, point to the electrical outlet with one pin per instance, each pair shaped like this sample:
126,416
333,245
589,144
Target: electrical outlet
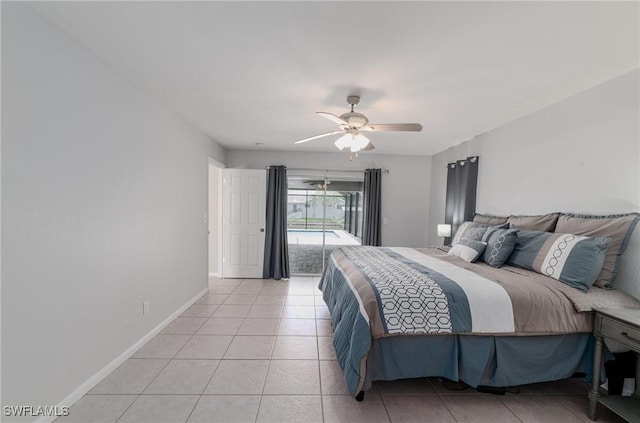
385,221
145,307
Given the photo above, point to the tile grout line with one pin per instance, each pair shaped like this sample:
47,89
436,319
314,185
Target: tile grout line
384,404
192,335
127,409
315,312
319,369
170,359
565,407
218,365
154,378
167,365
444,403
204,389
509,408
264,383
194,408
161,370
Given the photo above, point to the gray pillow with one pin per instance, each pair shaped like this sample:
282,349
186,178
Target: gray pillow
544,222
500,244
618,227
473,230
574,260
489,219
468,249
464,228
475,234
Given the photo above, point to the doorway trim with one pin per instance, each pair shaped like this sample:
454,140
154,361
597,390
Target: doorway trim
214,216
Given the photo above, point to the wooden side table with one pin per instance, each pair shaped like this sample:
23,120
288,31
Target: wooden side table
623,326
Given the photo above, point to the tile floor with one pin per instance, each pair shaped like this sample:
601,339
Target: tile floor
261,351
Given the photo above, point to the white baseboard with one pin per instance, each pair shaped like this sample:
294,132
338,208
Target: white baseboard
106,370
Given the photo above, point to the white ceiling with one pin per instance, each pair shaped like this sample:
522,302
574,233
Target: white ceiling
256,72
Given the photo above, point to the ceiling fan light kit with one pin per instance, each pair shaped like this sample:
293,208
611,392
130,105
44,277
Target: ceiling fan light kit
351,123
352,140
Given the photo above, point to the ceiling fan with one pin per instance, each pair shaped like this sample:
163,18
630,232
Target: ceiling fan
353,123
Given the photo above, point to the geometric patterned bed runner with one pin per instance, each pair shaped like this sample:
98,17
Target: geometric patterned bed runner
410,301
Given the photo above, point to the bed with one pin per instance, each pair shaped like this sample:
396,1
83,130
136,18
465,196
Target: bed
405,313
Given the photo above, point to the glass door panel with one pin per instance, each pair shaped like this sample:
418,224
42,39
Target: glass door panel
320,220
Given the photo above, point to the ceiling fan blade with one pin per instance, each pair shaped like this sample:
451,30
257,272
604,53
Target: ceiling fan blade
317,136
333,118
378,127
369,147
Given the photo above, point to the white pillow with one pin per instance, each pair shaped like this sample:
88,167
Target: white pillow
468,249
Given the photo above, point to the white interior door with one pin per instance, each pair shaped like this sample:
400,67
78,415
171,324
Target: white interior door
243,220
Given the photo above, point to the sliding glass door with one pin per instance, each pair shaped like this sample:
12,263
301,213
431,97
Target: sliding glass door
322,214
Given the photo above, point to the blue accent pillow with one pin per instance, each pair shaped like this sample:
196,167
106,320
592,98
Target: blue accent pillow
574,260
500,244
468,249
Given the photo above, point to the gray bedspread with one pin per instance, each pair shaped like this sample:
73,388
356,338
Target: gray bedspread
376,292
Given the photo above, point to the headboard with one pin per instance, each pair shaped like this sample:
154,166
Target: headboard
628,279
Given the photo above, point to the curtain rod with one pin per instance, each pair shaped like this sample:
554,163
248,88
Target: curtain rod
384,170
462,162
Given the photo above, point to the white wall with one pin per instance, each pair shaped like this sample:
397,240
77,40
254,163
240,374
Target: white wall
579,155
104,194
405,189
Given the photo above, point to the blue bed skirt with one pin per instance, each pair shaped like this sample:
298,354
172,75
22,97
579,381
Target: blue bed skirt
498,361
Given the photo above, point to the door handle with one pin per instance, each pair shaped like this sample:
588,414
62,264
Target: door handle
261,229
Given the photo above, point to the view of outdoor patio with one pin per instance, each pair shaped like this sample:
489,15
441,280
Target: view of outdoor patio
315,219
305,210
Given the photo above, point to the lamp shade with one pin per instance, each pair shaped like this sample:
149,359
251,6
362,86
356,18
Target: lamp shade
444,230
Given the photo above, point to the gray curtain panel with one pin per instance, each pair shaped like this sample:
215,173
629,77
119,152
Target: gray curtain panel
371,220
276,249
462,181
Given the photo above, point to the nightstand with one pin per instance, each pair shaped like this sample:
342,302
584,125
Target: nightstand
623,326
